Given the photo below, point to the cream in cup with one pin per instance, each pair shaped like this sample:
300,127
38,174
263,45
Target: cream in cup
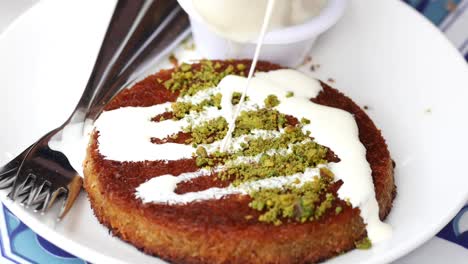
225,29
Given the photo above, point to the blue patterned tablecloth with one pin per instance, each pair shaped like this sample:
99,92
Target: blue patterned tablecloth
19,244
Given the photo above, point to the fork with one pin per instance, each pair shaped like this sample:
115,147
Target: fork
139,32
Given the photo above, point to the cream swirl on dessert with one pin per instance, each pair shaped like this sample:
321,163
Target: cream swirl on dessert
124,135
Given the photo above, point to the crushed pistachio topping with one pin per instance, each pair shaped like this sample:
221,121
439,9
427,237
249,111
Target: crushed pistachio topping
301,157
241,67
208,132
236,96
365,243
338,209
181,109
271,101
260,145
305,121
188,80
304,203
215,129
255,146
291,151
212,159
267,119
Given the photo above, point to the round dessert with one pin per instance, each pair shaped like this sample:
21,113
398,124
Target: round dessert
304,176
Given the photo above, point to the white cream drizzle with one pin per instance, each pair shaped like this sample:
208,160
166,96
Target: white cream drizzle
125,136
167,183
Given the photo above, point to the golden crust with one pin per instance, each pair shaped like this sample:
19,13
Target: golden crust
295,243
204,233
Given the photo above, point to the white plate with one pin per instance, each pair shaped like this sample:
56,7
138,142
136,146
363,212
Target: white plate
382,54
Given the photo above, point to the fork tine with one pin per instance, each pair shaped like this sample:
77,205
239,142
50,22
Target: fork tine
41,198
43,189
39,202
26,194
9,171
34,196
53,197
47,199
21,187
24,197
7,178
6,173
74,188
30,197
23,202
42,207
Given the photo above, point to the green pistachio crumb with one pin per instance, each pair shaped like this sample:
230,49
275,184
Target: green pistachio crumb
365,243
185,67
215,129
304,203
305,121
201,152
181,109
189,80
271,101
299,201
338,209
208,132
267,119
229,69
302,156
217,100
260,145
236,96
211,159
241,67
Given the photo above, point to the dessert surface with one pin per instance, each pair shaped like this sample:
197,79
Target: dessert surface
276,187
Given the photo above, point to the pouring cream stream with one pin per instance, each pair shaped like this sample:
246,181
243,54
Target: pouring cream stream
232,122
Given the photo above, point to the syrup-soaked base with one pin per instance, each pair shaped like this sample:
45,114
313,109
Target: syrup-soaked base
217,231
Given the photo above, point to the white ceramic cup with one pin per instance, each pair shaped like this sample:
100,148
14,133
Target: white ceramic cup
286,46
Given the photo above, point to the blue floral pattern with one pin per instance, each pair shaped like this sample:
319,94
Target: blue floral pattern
435,10
457,230
19,244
